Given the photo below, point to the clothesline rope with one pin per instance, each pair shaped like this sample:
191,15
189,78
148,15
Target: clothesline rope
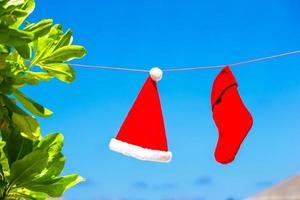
187,68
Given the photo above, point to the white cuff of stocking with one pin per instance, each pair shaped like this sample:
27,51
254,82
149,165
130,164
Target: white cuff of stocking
139,152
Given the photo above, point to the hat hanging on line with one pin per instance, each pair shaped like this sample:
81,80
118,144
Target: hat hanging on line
142,134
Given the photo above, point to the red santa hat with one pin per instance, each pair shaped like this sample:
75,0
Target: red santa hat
142,134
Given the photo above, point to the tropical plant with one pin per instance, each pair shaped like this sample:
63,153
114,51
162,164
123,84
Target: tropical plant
31,165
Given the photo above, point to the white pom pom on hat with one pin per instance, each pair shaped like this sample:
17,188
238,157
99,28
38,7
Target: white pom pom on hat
156,74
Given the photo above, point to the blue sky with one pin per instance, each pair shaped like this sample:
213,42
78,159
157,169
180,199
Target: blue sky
173,33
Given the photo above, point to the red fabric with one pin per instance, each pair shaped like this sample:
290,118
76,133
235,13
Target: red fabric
144,124
231,116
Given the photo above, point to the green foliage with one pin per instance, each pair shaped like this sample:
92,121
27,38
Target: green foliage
30,105
31,165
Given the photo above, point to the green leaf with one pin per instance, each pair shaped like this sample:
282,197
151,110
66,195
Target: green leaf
13,3
41,28
4,165
56,32
19,13
31,195
4,118
19,196
22,80
7,19
16,62
65,40
28,167
41,76
52,143
28,126
54,169
66,53
60,70
48,48
16,145
4,52
3,184
43,47
24,51
13,37
55,187
10,104
28,7
32,106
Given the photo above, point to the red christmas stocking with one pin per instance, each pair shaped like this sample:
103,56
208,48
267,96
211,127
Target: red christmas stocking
231,116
